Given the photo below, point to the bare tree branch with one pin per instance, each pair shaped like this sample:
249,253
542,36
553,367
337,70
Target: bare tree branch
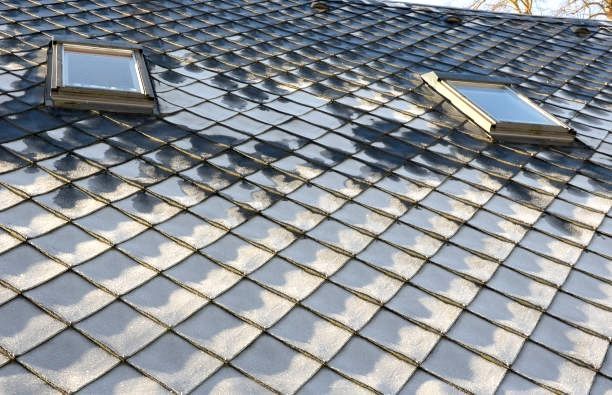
574,8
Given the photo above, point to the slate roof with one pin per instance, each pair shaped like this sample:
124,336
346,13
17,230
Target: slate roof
304,214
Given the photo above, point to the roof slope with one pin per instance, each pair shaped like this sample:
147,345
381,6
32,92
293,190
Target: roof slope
304,213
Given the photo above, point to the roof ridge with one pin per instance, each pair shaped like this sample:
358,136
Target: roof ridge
497,14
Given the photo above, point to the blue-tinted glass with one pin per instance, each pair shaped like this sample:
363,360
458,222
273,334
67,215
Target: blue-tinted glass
501,103
101,71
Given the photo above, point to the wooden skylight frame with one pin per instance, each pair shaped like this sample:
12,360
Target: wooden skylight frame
553,132
60,94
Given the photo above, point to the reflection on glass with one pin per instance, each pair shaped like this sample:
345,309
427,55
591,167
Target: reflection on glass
88,69
501,103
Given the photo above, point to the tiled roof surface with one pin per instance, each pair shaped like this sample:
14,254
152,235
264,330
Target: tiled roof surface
304,214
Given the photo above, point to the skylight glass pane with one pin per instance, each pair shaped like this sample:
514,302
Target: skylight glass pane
88,69
501,103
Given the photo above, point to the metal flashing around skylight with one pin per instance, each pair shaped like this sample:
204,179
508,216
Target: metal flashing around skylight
96,75
502,112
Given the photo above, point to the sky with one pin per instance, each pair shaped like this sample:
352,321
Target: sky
455,3
543,7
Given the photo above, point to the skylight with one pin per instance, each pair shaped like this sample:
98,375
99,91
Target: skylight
94,75
501,111
88,67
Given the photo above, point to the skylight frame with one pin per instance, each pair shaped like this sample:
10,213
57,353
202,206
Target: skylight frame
59,94
556,133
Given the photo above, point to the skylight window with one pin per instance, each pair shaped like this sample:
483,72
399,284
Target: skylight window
94,75
501,111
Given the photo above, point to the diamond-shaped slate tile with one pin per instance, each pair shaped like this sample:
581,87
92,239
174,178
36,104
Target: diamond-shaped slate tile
120,328
24,326
249,300
24,267
276,365
218,331
69,360
164,300
121,379
155,250
115,271
29,219
70,297
176,363
70,245
111,224
372,366
464,368
329,382
228,380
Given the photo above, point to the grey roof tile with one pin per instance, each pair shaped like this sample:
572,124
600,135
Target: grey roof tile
69,202
273,363
307,331
191,230
340,305
422,381
7,241
445,284
164,300
425,308
570,341
390,259
201,274
464,368
314,256
120,328
29,220
176,363
106,186
17,380
115,271
286,278
16,338
179,191
255,303
70,245
147,207
505,311
237,253
154,249
24,267
514,382
600,385
228,380
218,331
266,233
372,366
466,263
70,297
589,288
6,294
482,336
550,369
534,265
365,280
111,224
581,313
400,335
121,379
329,382
336,234
408,238
69,360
